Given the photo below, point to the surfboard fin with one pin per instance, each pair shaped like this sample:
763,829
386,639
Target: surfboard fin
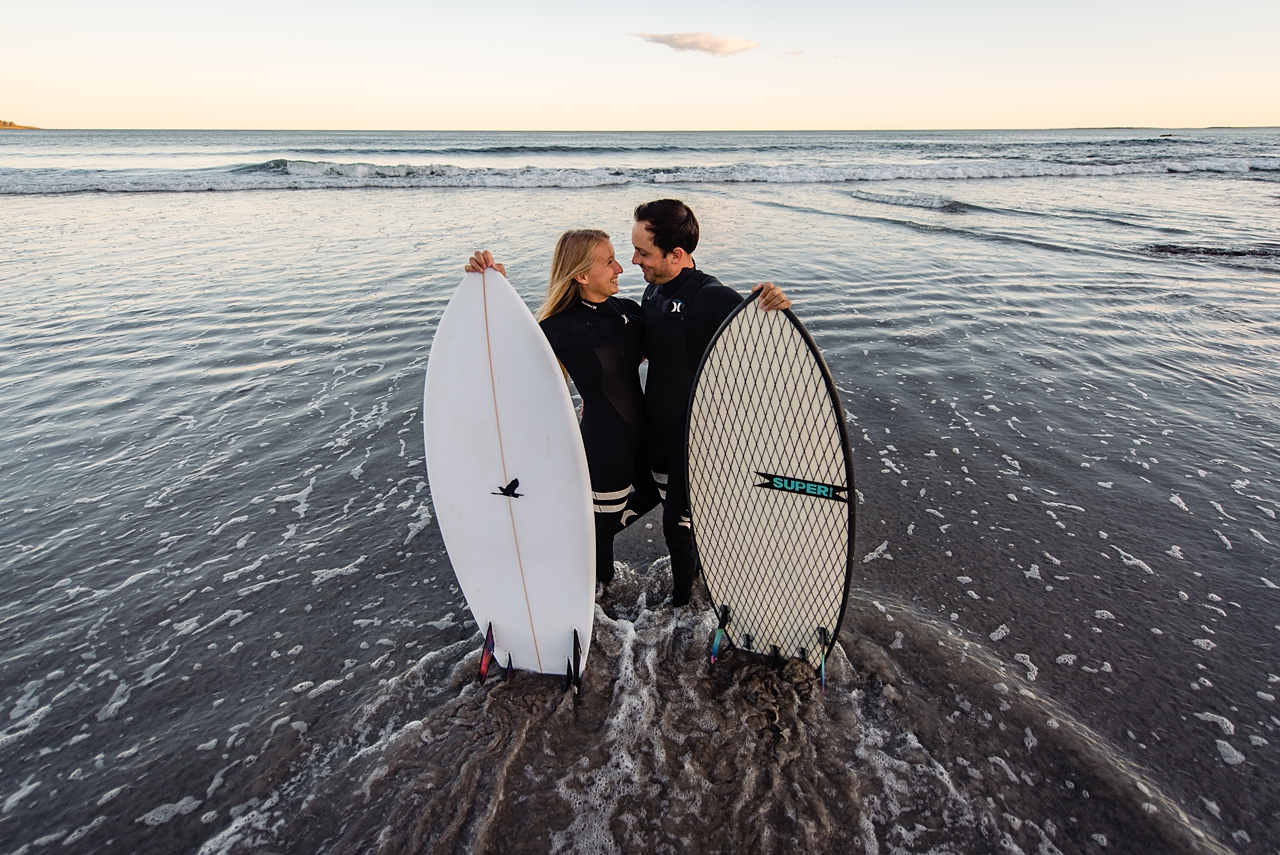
824,637
573,667
487,656
511,672
724,621
577,664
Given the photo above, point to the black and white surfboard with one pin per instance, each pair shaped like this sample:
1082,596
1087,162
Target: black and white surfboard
771,485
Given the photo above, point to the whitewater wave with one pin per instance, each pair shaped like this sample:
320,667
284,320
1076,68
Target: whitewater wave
663,751
563,148
286,174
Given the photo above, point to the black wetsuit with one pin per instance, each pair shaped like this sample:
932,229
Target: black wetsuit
680,318
601,345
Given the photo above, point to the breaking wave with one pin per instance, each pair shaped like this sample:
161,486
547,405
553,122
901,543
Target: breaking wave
915,200
1259,257
566,148
287,174
1217,252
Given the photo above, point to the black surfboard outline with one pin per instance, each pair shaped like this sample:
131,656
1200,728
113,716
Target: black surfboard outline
834,395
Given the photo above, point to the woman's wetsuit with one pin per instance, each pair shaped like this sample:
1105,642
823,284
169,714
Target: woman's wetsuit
601,345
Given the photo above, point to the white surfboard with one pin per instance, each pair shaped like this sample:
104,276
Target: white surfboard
509,477
771,485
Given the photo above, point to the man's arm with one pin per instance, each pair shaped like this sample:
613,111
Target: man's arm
771,296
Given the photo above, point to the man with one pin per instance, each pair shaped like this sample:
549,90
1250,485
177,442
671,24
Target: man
683,308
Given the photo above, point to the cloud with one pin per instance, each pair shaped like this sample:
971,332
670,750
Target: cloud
705,42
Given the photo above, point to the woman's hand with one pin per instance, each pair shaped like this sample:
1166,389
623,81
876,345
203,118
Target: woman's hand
482,259
771,296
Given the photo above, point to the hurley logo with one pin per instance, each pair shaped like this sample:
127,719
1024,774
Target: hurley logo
677,307
799,485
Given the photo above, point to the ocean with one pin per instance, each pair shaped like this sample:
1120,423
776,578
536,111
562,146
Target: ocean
229,623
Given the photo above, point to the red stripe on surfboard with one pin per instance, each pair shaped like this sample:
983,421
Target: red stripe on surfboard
493,387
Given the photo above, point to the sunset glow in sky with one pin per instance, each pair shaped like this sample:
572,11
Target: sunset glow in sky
394,64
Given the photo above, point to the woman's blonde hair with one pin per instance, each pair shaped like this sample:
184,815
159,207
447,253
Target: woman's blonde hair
572,258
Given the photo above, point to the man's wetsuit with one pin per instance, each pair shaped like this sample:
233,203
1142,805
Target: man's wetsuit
601,345
680,318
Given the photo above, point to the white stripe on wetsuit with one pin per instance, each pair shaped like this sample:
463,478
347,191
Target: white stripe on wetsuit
660,478
607,503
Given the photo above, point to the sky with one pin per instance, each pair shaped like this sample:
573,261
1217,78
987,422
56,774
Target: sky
745,65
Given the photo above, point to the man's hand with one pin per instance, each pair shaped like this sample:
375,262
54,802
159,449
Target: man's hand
484,258
771,296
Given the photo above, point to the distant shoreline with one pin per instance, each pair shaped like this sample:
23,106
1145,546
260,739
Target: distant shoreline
10,126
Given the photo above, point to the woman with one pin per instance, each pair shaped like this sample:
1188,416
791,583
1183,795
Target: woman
599,340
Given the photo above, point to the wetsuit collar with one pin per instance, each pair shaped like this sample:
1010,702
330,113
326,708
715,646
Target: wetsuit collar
669,288
610,310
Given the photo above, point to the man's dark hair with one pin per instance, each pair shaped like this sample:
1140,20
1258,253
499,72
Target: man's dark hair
672,224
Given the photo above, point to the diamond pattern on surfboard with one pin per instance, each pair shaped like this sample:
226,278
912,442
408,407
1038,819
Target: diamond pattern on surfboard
780,557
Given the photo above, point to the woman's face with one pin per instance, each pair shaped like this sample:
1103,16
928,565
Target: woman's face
601,281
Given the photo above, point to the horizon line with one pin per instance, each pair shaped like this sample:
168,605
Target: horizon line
673,131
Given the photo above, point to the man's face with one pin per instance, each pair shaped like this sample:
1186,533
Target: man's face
658,267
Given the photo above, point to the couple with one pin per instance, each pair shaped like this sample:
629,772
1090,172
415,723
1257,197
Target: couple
635,439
